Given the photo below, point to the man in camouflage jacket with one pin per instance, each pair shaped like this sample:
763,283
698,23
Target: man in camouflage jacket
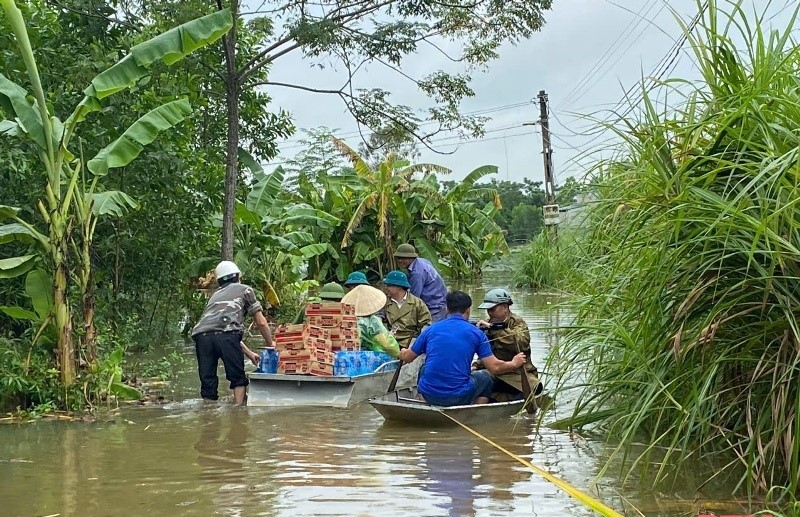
509,335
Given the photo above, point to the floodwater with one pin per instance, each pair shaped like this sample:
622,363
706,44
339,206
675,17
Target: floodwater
191,458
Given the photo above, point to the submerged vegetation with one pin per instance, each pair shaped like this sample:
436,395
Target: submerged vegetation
687,331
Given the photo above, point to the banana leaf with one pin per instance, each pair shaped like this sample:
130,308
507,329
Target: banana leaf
127,147
112,202
16,266
39,288
169,47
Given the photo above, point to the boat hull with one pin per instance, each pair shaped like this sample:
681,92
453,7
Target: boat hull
280,390
401,406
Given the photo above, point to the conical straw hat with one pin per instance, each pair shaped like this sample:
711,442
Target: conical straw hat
366,299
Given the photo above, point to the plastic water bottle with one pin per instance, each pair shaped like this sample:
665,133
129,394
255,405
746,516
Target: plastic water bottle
269,361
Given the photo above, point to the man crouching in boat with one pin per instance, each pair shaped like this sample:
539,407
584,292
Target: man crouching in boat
446,379
509,335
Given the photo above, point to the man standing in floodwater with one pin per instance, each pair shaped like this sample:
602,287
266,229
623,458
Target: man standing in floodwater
218,334
426,283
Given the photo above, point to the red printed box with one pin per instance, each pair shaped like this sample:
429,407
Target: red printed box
348,322
289,345
326,320
329,308
289,329
320,332
295,367
349,345
322,356
319,344
321,369
303,354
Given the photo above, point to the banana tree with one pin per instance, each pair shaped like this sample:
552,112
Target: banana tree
276,239
383,189
90,205
33,121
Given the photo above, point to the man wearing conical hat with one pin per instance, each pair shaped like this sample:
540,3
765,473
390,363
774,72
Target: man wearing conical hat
367,301
405,314
426,283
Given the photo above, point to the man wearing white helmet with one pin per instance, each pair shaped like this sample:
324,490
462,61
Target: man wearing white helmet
218,334
509,335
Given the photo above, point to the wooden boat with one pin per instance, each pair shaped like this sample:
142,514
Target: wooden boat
281,390
403,406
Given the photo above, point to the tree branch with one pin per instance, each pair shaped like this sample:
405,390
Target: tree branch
349,100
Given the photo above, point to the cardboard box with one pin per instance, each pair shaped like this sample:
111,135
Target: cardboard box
320,332
289,329
333,333
322,356
294,367
303,354
319,343
321,369
326,320
290,345
329,308
348,322
346,344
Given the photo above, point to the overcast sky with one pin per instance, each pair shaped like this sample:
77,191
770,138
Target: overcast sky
586,56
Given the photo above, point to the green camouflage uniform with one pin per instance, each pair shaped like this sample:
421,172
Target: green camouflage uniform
508,342
407,322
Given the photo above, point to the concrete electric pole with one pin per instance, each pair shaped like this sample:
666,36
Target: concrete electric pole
550,208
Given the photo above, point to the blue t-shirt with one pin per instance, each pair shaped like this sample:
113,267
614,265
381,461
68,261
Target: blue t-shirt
450,345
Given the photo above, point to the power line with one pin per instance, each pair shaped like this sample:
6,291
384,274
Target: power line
298,143
610,51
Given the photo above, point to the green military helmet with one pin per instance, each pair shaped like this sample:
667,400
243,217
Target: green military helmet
406,251
495,297
397,278
356,278
331,291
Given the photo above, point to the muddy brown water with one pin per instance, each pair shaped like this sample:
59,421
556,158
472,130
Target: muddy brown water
191,458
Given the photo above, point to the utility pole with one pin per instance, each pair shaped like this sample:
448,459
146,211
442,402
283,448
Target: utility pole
550,209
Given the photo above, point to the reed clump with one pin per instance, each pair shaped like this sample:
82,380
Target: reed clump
687,323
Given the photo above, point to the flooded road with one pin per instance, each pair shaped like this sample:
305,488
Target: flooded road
191,458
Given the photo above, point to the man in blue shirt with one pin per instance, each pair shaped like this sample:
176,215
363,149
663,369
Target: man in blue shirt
426,283
446,378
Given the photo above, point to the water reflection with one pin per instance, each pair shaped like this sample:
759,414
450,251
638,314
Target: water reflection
188,458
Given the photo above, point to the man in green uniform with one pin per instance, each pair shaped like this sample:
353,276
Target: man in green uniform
405,314
355,278
508,334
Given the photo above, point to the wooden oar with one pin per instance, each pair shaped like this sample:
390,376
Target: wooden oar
530,405
393,384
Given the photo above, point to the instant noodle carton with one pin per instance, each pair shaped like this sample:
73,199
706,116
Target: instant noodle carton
349,322
329,308
288,337
322,356
326,320
294,367
319,343
321,369
303,354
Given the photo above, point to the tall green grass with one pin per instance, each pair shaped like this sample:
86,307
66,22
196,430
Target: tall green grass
687,329
549,263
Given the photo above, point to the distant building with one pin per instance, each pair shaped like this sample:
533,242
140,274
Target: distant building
573,216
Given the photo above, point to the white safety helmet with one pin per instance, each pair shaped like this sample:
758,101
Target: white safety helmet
225,269
495,297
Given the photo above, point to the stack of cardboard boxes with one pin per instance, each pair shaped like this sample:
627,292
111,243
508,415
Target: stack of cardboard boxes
330,327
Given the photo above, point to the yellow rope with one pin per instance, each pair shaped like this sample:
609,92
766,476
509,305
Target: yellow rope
585,499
